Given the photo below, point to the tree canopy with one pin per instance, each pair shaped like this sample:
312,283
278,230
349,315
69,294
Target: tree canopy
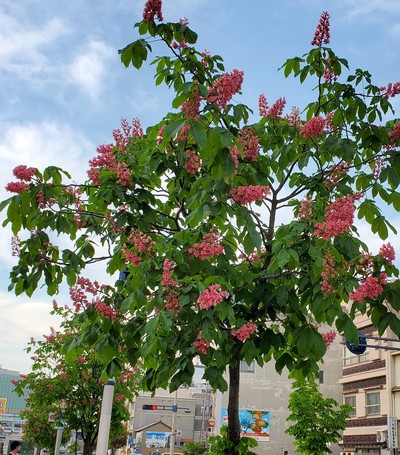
225,236
70,390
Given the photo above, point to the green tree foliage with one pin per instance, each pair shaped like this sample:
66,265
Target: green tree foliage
318,421
234,235
71,390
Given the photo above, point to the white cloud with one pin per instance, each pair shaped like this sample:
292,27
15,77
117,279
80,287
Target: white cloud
22,50
88,68
368,8
21,319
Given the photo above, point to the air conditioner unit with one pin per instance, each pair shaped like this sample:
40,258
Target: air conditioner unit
381,436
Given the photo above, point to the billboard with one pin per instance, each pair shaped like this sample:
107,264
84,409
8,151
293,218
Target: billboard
3,402
157,439
254,424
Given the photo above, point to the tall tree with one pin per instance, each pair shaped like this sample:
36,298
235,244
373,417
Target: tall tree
70,389
234,237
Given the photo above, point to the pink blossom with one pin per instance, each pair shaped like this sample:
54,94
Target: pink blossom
328,337
387,252
370,288
339,217
336,174
394,135
79,291
225,87
314,127
247,194
252,257
152,9
244,332
294,118
160,134
24,173
142,244
391,90
329,76
211,296
201,344
184,133
15,245
168,269
305,210
81,359
209,247
63,376
193,162
379,165
191,107
249,141
322,35
172,302
106,310
273,112
328,273
119,397
16,187
14,382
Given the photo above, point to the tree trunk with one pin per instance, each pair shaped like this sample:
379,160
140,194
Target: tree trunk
233,405
87,446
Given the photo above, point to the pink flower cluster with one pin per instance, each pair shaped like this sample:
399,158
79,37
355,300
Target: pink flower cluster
328,337
387,252
339,217
106,310
322,35
394,135
328,272
201,344
79,291
252,257
122,137
247,194
172,302
371,288
305,210
379,165
391,90
106,160
314,127
248,139
337,172
160,134
244,332
24,174
168,269
273,112
225,87
15,245
294,118
193,162
191,107
211,297
209,247
142,244
152,9
329,76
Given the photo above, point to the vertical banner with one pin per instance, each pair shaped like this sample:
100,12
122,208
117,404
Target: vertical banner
3,402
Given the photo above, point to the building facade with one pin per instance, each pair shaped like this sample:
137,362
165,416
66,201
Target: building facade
10,407
371,385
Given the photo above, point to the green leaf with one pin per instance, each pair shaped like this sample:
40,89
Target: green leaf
199,132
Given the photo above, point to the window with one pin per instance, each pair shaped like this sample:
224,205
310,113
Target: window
246,368
351,401
321,377
373,403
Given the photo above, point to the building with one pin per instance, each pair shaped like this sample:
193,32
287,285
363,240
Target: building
10,407
263,403
371,384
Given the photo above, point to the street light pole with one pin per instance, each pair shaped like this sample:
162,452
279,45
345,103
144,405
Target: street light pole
173,424
105,419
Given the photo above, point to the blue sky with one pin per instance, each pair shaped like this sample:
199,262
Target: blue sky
64,89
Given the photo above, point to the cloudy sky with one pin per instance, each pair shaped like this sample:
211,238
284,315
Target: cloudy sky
64,89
